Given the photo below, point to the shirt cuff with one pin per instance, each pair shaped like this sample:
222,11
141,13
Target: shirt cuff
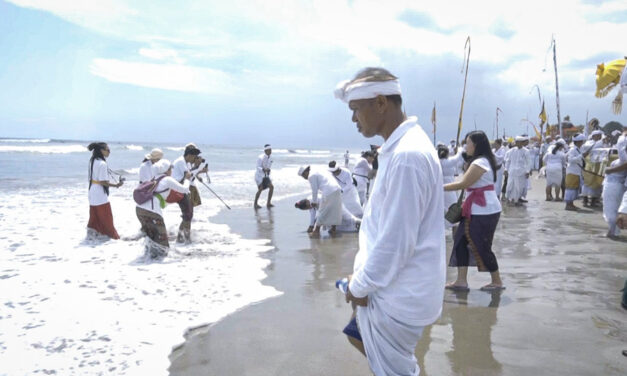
359,290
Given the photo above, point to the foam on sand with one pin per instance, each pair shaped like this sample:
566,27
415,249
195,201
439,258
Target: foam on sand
72,306
48,149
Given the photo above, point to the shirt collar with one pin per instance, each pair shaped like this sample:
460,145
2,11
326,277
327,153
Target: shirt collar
397,134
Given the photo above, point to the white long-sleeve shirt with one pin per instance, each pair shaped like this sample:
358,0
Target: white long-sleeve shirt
451,165
145,171
344,179
401,264
165,185
264,161
623,205
499,155
517,161
575,161
324,182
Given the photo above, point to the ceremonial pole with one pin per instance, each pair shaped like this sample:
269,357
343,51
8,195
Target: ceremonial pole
433,121
497,121
461,109
557,90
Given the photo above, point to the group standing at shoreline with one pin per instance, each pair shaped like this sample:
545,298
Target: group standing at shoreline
398,279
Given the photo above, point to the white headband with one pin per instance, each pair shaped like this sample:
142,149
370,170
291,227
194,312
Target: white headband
333,169
348,91
161,167
579,137
267,148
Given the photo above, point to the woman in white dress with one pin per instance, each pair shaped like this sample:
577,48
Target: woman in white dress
450,166
555,162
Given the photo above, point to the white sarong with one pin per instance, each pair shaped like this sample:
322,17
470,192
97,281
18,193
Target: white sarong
330,211
554,175
389,343
516,186
612,198
350,199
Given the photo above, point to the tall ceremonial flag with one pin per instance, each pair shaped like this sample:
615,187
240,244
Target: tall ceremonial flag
433,122
461,109
609,76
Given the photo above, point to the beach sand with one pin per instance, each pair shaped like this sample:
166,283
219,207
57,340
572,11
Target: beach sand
560,313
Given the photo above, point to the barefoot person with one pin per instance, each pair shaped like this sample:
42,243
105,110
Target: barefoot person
149,213
330,206
397,284
555,161
350,197
517,166
180,172
262,176
100,216
575,160
481,211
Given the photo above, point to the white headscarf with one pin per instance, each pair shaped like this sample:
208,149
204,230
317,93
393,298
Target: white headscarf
161,167
579,137
349,91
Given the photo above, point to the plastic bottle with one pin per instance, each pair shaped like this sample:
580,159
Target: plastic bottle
342,285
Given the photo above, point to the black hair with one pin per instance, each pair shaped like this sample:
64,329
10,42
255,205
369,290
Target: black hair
266,145
482,149
443,151
557,146
302,204
332,164
96,149
191,151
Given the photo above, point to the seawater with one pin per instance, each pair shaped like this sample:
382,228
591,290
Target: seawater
74,305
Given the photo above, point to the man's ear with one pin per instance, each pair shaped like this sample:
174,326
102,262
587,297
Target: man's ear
381,103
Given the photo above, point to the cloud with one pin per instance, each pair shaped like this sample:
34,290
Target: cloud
164,76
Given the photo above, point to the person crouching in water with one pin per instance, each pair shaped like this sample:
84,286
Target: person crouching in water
180,172
145,170
330,206
262,176
350,223
149,213
350,197
100,216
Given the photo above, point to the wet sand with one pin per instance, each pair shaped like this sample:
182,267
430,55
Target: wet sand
560,313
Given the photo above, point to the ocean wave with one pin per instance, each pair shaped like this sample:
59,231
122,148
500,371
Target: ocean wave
176,148
52,149
280,151
321,152
26,140
134,147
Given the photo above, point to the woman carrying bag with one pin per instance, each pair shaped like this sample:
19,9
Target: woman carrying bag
481,210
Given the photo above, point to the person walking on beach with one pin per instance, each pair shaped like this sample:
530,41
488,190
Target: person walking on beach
180,172
499,155
100,216
361,174
450,165
575,160
262,176
480,215
555,161
397,285
149,213
329,209
590,194
517,166
146,169
347,157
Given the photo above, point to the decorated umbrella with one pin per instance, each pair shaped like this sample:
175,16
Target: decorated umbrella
608,77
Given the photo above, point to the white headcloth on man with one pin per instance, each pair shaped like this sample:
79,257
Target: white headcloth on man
363,88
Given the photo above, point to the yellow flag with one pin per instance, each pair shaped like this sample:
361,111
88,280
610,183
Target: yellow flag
542,115
538,134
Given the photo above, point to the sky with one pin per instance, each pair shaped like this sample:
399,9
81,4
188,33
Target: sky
252,72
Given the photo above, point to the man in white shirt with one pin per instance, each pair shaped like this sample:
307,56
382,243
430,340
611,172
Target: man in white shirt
499,155
180,172
330,205
347,157
262,176
517,166
399,272
350,198
362,173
